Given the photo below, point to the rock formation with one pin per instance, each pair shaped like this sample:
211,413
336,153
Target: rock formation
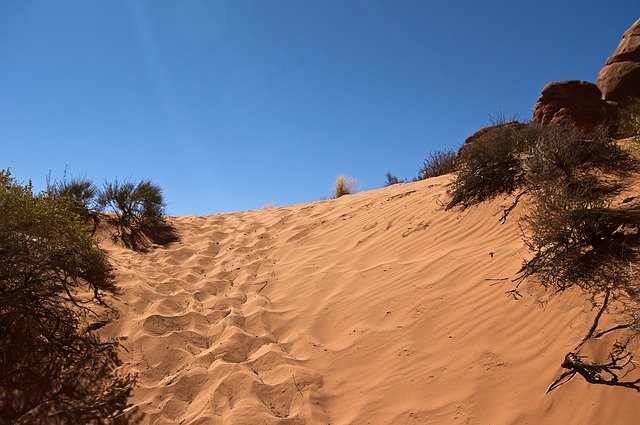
494,130
619,79
577,102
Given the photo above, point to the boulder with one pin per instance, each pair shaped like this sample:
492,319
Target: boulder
572,102
619,79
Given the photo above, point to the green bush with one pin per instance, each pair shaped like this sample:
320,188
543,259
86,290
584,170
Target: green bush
53,279
83,195
138,210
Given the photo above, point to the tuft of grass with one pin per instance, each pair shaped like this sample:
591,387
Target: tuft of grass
439,163
344,185
392,179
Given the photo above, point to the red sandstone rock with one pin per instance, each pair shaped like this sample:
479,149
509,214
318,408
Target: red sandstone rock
572,102
619,79
494,129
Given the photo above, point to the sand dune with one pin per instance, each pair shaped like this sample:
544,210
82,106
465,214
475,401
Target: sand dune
374,308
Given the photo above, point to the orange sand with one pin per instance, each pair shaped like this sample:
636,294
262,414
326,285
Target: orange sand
374,308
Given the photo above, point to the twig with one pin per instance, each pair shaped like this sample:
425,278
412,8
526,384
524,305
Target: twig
558,381
596,320
592,372
506,211
515,293
615,328
263,286
497,279
599,373
296,384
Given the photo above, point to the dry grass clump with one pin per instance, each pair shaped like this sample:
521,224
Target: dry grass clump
392,179
576,231
439,163
490,165
579,228
344,185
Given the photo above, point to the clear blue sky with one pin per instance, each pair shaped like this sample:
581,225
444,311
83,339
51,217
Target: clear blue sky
228,105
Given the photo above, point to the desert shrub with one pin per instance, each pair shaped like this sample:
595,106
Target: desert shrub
629,120
392,179
52,284
82,193
501,117
575,230
439,163
138,210
344,186
490,164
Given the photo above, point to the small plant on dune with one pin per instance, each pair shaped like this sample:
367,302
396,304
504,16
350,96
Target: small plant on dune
580,234
439,163
138,210
392,179
574,228
344,185
53,281
629,120
501,117
490,165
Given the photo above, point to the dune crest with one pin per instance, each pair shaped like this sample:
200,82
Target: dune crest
378,307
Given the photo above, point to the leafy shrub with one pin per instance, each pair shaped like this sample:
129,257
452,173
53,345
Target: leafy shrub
82,193
439,163
138,209
344,186
52,280
490,164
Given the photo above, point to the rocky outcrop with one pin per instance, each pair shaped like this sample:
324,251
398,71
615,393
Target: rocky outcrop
619,79
572,102
498,129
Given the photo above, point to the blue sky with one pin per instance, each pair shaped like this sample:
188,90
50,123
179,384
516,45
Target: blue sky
229,105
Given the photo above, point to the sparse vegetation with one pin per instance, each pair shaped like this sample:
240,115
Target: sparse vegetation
501,117
576,226
344,185
138,210
490,165
53,281
392,179
629,120
439,163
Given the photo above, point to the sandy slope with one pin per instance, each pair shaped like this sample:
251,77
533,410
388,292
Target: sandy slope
379,307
